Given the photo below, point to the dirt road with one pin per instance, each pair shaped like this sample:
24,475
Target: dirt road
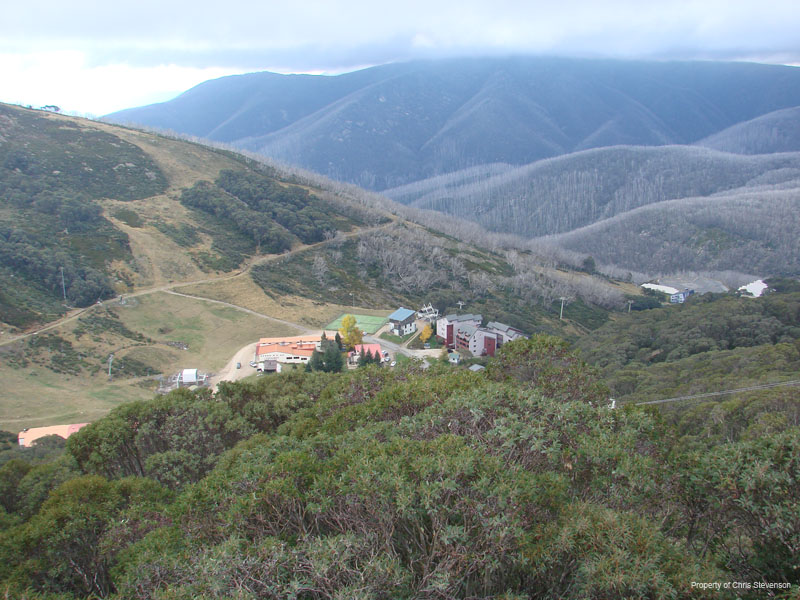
230,373
75,313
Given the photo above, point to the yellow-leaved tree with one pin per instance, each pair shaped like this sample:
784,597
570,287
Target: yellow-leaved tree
426,333
351,334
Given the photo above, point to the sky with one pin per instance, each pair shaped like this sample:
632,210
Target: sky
92,57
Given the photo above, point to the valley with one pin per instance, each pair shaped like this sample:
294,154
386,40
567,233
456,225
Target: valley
170,288
534,459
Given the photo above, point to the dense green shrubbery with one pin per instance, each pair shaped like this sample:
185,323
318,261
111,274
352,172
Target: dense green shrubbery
711,343
406,483
51,176
270,214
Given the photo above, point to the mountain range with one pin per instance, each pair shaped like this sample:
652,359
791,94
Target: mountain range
394,124
542,147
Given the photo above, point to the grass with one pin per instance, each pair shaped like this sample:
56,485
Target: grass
38,397
213,332
35,396
397,339
367,323
242,291
418,344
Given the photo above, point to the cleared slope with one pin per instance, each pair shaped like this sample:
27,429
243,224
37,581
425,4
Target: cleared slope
90,210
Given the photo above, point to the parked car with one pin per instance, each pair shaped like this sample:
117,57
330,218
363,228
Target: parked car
253,364
394,363
238,365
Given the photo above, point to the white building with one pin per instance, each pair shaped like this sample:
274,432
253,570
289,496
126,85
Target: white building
479,341
402,322
505,333
447,326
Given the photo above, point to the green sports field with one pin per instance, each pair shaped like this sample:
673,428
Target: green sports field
365,323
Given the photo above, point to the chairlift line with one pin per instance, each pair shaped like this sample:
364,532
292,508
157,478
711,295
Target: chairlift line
752,388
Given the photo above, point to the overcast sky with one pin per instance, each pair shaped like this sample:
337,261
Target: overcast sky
94,57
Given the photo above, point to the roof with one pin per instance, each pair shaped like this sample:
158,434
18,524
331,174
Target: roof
666,289
372,348
298,349
298,345
501,326
401,314
297,339
476,368
189,375
26,438
469,317
468,330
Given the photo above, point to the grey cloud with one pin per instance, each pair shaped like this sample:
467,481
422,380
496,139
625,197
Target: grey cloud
335,36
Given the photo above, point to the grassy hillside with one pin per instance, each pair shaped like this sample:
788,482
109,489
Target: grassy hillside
56,245
123,212
61,376
279,252
98,204
394,124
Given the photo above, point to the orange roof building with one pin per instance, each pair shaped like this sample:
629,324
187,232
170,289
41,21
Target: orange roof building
358,349
297,349
27,437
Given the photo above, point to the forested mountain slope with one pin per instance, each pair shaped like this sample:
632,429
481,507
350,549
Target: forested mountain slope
749,230
395,124
645,209
713,342
564,193
777,131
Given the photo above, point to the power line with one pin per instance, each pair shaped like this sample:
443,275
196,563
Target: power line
752,388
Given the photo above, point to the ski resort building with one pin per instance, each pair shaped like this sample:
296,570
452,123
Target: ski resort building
291,350
464,332
505,333
478,341
402,322
447,326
